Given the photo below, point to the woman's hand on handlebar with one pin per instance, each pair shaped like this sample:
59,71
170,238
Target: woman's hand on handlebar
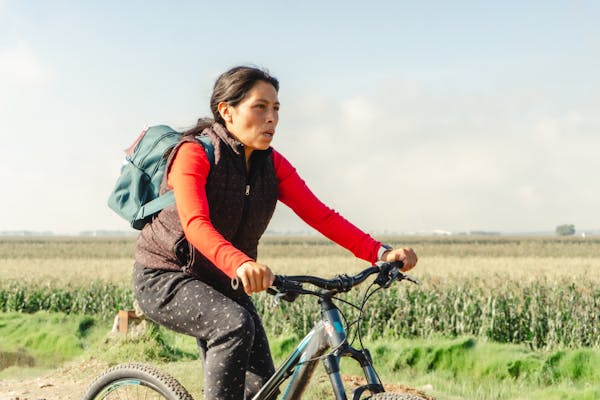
254,276
406,255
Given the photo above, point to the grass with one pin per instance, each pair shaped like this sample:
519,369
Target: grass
475,369
469,358
460,368
45,339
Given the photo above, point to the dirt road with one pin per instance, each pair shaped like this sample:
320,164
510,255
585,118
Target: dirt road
66,383
71,381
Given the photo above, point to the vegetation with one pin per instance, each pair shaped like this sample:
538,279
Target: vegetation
466,366
45,339
495,317
311,247
565,230
542,292
539,315
99,298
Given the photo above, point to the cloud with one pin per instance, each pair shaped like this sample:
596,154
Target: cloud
407,158
20,67
23,96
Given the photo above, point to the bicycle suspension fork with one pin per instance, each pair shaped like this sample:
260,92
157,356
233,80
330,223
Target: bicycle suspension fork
338,340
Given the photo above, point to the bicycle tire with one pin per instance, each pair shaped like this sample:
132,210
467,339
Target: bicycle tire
133,381
397,396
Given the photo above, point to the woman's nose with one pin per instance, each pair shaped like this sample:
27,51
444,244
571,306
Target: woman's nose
272,116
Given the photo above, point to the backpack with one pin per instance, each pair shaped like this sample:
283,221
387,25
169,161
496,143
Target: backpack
136,194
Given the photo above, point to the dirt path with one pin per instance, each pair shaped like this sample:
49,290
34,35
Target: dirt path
355,381
66,383
71,381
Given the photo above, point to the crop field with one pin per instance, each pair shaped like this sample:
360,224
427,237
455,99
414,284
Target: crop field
543,292
493,318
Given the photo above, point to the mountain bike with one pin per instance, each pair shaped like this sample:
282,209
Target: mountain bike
326,343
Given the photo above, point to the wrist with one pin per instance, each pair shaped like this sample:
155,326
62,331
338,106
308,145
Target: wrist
243,266
382,252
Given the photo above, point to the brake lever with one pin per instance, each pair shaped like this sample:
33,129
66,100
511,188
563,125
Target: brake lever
383,278
277,295
283,295
277,299
411,279
391,274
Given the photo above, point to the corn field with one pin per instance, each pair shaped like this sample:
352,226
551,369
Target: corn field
544,292
539,315
103,299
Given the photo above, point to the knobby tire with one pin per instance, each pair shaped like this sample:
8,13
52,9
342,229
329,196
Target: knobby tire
135,381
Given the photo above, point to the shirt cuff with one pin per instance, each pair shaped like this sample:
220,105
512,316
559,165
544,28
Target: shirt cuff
382,249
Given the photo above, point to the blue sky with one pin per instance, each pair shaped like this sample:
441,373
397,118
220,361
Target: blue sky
403,116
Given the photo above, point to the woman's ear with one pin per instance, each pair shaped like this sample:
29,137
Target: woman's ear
225,110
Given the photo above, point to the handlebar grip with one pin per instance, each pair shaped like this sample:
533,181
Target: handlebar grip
277,280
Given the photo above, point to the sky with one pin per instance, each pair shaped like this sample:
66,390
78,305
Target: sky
404,116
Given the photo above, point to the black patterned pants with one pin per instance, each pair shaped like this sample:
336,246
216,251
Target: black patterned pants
225,324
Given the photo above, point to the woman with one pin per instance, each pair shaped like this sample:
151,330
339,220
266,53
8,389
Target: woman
187,256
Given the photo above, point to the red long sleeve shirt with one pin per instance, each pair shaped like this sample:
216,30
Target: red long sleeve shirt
187,178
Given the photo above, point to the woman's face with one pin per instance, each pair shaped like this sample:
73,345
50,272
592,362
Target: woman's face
254,119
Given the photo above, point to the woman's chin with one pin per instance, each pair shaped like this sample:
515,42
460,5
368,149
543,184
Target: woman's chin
264,144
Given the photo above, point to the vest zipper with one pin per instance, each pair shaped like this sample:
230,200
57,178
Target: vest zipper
244,210
249,174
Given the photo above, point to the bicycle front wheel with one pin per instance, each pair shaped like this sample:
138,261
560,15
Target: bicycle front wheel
135,381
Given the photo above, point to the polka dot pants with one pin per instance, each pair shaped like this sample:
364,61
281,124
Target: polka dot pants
225,324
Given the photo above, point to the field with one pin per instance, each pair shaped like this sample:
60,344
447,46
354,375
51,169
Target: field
538,294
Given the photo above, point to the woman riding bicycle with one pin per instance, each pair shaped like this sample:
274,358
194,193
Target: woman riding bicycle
187,256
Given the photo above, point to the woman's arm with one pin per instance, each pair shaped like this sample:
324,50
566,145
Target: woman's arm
187,177
294,192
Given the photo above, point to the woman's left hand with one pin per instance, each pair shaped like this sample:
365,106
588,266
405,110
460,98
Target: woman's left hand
406,255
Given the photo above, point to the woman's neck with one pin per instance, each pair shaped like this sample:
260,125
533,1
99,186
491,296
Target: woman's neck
248,153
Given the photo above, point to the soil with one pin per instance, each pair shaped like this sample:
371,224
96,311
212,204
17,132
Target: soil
66,383
352,382
71,381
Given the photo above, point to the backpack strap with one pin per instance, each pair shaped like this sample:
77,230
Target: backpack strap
168,198
155,205
209,148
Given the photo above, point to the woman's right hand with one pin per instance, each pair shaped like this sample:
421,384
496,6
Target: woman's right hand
406,255
254,276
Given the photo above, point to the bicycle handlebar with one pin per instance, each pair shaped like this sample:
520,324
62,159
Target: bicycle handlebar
389,272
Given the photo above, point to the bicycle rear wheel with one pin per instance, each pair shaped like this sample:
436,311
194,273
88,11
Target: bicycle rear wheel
135,381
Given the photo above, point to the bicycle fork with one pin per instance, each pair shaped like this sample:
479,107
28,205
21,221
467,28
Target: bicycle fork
338,341
329,333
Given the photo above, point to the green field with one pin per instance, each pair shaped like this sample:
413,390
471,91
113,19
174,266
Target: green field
493,317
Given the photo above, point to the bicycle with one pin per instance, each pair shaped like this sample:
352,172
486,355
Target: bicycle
327,342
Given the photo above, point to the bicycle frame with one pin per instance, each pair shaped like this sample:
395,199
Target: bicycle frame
328,333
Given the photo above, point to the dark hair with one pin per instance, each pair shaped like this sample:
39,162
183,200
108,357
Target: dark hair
232,87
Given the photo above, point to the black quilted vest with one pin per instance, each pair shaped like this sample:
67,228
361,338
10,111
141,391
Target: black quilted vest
241,205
